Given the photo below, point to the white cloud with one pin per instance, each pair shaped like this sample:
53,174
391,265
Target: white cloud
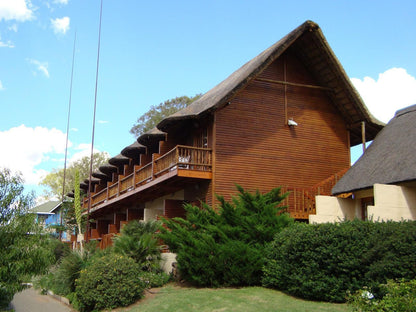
84,149
19,10
60,25
24,148
61,1
1,86
13,27
40,66
7,44
393,90
102,121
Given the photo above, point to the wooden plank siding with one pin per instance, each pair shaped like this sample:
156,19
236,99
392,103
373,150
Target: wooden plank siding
255,148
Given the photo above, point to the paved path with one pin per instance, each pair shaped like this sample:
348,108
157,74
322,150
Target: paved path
29,300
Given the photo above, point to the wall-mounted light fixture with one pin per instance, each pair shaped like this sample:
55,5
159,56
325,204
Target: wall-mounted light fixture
292,123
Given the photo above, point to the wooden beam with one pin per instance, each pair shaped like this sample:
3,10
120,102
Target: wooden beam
363,134
186,173
286,83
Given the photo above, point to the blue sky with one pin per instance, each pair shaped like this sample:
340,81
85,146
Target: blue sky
152,51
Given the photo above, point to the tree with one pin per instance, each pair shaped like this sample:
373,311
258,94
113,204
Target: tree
226,247
12,200
55,179
150,119
23,250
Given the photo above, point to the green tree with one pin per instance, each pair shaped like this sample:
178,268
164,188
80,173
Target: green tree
226,247
24,251
156,113
55,179
12,200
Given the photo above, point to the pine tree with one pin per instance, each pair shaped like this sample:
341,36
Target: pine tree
226,247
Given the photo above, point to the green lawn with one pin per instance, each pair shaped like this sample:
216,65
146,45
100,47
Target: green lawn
173,298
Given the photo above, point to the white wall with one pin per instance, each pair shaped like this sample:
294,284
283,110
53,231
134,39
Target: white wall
393,202
168,259
333,209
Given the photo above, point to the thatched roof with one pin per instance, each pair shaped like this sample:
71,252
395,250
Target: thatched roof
93,181
119,160
134,150
101,175
108,169
151,136
310,46
390,159
84,185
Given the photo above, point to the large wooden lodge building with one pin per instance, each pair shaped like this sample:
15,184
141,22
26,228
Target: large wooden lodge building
286,118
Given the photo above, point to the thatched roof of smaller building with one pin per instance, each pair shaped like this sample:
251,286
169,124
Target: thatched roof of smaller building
134,150
93,180
84,185
151,136
108,169
101,175
119,160
390,159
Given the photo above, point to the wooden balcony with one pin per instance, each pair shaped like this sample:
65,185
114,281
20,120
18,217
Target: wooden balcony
181,161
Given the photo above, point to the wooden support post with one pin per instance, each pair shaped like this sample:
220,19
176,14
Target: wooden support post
285,87
294,199
363,134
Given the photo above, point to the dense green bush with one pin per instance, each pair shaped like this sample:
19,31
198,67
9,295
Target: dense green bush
324,261
61,276
138,241
399,297
108,282
226,247
154,279
67,272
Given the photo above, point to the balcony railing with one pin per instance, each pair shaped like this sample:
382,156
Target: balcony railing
301,202
180,157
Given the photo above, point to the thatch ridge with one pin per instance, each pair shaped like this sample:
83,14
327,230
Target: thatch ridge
390,159
306,37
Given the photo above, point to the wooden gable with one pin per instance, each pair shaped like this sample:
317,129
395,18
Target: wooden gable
255,147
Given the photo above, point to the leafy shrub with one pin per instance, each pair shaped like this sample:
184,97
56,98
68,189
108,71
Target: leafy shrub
324,261
138,241
60,249
67,272
61,276
46,281
108,282
399,297
225,247
154,279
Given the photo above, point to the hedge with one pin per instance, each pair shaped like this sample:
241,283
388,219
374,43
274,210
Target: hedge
109,282
325,261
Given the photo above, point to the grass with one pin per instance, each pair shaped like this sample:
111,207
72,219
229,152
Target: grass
174,298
